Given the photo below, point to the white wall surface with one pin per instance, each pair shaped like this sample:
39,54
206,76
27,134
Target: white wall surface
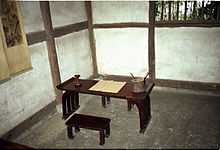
74,55
121,51
67,12
120,11
190,54
27,93
30,10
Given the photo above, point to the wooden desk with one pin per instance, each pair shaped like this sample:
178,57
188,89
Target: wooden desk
70,98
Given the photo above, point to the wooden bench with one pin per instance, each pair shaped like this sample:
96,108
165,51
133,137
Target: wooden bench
89,122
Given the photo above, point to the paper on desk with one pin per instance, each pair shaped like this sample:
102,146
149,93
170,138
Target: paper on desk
108,86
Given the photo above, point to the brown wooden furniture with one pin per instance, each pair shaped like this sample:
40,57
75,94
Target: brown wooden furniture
104,98
70,103
89,122
141,100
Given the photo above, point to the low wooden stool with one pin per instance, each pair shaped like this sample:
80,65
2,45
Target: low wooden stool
89,122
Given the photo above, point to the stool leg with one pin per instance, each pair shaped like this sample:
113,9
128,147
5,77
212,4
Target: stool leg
77,129
70,132
129,106
107,131
102,137
103,101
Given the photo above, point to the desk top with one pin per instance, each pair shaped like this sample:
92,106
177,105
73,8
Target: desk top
125,92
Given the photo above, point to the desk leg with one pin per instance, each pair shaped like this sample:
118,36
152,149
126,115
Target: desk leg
130,106
76,99
108,100
103,101
64,99
144,113
70,103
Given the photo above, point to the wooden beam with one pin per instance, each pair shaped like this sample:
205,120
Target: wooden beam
36,37
188,84
46,16
187,24
40,36
122,25
151,40
60,31
88,7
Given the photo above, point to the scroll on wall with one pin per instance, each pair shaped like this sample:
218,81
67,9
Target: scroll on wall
14,52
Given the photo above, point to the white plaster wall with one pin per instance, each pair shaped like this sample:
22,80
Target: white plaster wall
67,12
30,10
120,11
190,54
74,55
27,93
121,51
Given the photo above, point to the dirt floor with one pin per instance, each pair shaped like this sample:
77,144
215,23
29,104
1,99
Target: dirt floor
180,119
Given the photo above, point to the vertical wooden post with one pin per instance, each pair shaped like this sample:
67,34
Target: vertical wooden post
88,7
151,36
54,67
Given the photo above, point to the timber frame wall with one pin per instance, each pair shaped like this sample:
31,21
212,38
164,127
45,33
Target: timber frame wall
40,36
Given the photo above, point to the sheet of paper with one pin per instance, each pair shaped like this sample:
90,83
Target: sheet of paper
108,86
